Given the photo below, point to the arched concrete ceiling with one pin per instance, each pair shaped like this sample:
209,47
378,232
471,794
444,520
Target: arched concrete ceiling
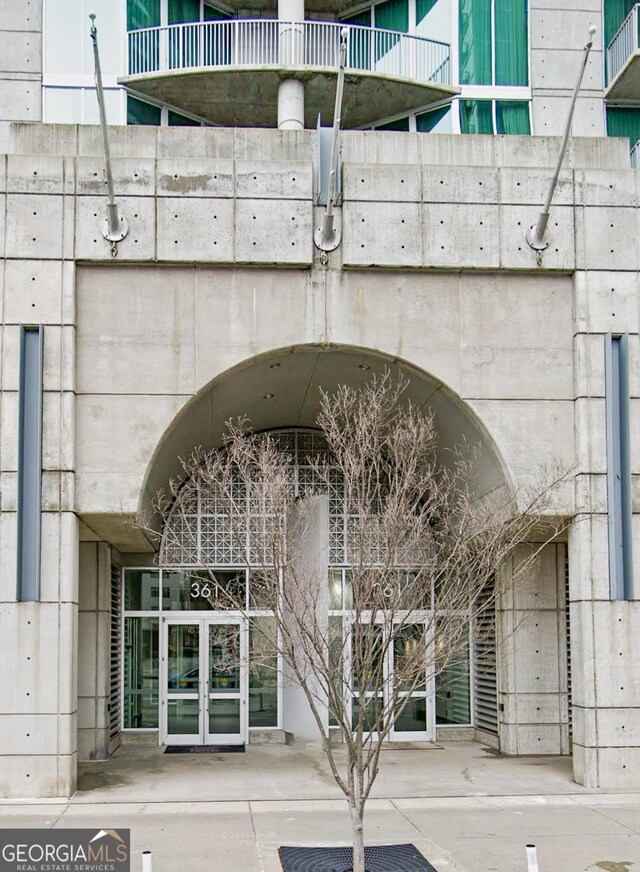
282,389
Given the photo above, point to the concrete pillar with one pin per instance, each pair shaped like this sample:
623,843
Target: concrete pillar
533,666
291,48
94,640
308,541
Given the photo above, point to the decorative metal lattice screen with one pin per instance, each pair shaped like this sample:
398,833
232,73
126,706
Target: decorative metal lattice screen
208,534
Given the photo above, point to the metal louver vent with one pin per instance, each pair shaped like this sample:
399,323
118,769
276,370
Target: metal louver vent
485,682
114,686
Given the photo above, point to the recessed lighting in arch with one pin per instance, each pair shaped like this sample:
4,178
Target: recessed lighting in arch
268,397
274,365
364,366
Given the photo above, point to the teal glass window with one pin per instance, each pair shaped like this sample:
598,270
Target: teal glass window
484,61
511,49
476,116
423,8
139,112
475,42
436,121
615,12
624,122
399,124
359,41
177,120
140,673
143,13
512,116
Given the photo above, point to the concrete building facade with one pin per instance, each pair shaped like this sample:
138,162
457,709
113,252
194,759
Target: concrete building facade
218,303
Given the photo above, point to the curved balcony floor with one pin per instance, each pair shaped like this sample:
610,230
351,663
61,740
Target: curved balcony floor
626,84
248,96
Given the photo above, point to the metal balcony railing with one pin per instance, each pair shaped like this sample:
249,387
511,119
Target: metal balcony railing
635,156
242,43
623,44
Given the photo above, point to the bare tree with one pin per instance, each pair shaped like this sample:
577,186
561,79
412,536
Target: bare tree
423,551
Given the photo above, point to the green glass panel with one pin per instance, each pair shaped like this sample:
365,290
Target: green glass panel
139,112
409,658
475,42
512,116
177,120
143,13
426,122
183,717
401,124
476,116
263,673
624,122
392,15
140,673
413,717
423,8
141,590
372,713
183,10
211,14
615,12
512,67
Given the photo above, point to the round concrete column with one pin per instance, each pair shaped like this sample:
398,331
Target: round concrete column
291,50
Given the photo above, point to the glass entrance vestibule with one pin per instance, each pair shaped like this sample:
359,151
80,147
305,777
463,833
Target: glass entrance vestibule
199,675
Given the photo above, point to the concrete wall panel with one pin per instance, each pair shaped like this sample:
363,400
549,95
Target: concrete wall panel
268,231
460,234
382,183
138,245
34,226
195,178
366,236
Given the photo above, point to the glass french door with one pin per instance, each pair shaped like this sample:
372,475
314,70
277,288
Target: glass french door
393,666
204,681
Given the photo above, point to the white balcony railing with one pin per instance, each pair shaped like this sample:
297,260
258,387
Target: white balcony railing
623,45
635,156
300,44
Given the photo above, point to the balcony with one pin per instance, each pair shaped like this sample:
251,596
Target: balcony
623,61
229,71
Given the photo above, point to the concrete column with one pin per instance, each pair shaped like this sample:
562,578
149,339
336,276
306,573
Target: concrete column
533,668
94,638
291,48
308,540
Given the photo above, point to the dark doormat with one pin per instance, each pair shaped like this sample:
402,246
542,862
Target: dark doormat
204,749
377,858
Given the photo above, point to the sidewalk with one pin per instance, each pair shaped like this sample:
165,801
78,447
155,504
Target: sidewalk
451,803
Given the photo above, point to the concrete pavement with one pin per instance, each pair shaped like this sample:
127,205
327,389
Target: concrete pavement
452,802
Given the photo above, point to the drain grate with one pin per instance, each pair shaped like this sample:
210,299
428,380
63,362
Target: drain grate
377,858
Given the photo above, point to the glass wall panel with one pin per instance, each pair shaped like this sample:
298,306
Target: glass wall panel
401,124
475,42
624,122
453,694
224,716
143,13
476,116
263,673
177,120
413,717
512,67
512,116
139,112
336,661
615,12
140,673
203,591
183,658
141,590
437,121
183,717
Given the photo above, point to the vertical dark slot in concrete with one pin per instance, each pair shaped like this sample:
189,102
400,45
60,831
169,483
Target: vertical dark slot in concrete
29,462
618,467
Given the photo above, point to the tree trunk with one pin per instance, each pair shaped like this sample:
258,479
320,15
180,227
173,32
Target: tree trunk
357,827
